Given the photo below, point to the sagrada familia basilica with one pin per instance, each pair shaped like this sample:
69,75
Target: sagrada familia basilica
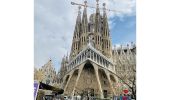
93,66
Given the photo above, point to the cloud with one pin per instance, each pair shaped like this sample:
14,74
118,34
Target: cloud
54,25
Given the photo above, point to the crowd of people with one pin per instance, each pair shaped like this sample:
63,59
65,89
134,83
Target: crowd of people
123,97
78,97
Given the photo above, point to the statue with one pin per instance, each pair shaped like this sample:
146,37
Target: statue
91,40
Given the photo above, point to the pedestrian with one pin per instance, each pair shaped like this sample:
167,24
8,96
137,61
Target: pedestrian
115,97
87,97
124,97
129,97
120,98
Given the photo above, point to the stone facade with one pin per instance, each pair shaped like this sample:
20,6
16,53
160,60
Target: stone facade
46,74
92,64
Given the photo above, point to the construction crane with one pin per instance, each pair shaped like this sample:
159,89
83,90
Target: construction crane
85,5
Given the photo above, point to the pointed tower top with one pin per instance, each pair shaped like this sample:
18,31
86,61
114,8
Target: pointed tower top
97,4
79,12
104,7
85,3
84,26
50,60
104,4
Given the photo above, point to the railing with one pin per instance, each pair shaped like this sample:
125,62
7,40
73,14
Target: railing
92,55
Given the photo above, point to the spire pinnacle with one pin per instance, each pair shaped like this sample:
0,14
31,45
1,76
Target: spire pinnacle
97,2
104,7
79,9
85,3
84,19
104,4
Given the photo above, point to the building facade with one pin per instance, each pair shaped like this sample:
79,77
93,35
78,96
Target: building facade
91,67
46,74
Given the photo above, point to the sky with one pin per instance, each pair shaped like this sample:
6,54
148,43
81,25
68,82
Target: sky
54,22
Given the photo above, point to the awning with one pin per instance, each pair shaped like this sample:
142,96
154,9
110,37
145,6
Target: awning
52,88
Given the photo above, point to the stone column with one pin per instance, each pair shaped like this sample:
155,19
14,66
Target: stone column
68,81
103,63
110,83
93,55
90,54
79,73
98,80
81,57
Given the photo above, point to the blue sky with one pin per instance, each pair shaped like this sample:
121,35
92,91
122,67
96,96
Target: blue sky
124,30
54,22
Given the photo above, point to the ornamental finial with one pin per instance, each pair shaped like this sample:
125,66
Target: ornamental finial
79,9
97,2
85,3
104,6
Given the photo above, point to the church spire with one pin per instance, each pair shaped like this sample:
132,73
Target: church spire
97,17
76,36
97,28
105,22
97,6
78,22
107,48
84,19
84,28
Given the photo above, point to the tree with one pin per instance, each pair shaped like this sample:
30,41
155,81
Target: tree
129,82
125,59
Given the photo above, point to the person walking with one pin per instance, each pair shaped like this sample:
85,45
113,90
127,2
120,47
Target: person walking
129,97
120,98
124,97
115,97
